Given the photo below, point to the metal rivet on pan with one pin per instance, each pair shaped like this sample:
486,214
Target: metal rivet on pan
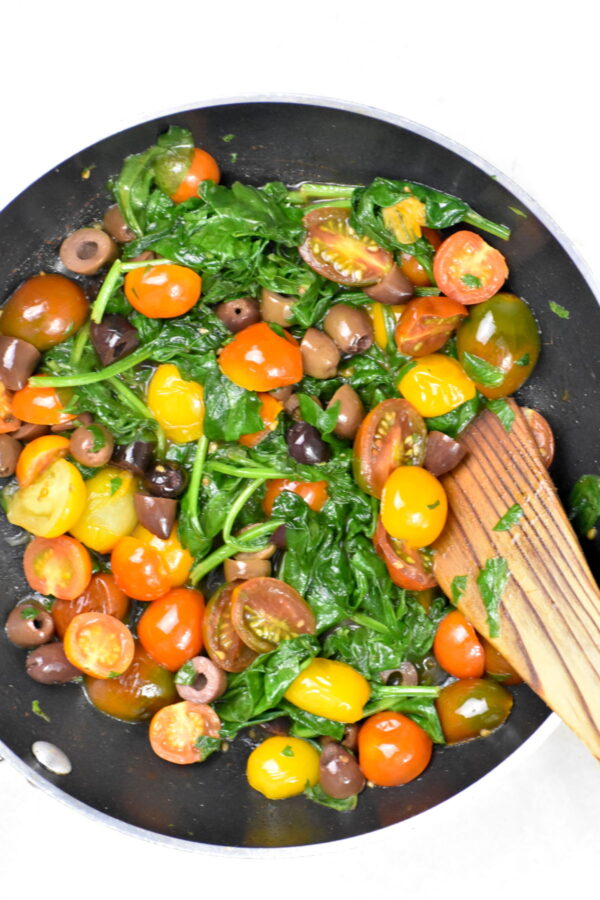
51,757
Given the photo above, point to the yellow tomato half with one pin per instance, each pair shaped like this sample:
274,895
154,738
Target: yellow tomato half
329,688
281,767
413,506
109,512
176,404
176,558
52,503
379,314
436,385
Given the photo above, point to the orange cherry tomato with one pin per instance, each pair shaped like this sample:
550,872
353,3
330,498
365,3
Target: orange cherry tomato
177,559
139,570
8,422
258,359
269,413
45,310
426,324
410,265
41,405
222,642
60,567
497,667
175,729
163,291
457,647
468,269
334,250
101,595
392,749
98,644
38,455
312,492
202,168
405,567
170,629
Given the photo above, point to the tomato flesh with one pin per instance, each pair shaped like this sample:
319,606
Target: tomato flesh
98,644
466,268
175,729
139,570
41,406
391,435
60,567
426,324
270,408
222,642
266,611
170,629
37,455
314,493
52,504
333,249
405,567
457,648
392,749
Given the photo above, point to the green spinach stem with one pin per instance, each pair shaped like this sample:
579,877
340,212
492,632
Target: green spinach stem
473,218
111,282
79,343
226,550
248,470
117,368
193,491
236,507
311,191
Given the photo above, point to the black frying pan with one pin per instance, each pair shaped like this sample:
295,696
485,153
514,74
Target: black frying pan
114,770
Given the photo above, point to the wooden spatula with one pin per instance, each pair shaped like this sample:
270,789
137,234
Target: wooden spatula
549,612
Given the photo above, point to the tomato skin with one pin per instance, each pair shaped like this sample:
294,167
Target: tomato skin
203,167
143,689
413,506
139,570
457,647
176,404
314,493
45,310
177,560
50,505
426,324
258,359
330,688
41,405
221,640
412,268
100,595
266,611
392,749
174,730
352,259
98,644
37,455
472,708
163,291
59,566
8,422
503,332
109,512
282,766
497,667
466,255
405,566
170,629
269,412
436,384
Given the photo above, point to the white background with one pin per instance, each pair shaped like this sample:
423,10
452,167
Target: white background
518,84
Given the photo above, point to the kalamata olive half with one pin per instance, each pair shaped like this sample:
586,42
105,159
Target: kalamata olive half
320,356
275,307
113,338
443,453
156,514
394,288
49,665
306,445
114,223
91,445
210,683
351,413
238,314
349,327
166,479
29,625
86,250
339,773
135,457
243,569
82,419
10,450
18,360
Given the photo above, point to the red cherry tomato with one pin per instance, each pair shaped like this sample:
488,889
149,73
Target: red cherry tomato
406,567
41,405
202,168
222,642
139,570
312,492
44,311
334,250
101,595
468,269
426,324
266,611
163,291
391,435
457,647
59,566
392,749
175,729
258,359
410,265
170,629
99,645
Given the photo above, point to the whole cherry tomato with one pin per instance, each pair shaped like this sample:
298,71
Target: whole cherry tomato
472,708
41,405
44,311
176,404
259,359
392,749
413,506
163,291
203,167
457,647
176,558
170,629
436,384
281,767
139,570
330,688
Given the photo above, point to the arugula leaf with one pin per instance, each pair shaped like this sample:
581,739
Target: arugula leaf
510,518
481,371
584,503
207,745
491,582
318,795
559,310
457,588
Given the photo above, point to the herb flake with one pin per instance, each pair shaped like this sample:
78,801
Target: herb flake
37,709
510,518
471,281
559,310
457,588
503,410
481,371
491,582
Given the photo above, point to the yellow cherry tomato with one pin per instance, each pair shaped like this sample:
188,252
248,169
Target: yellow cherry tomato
331,689
379,317
176,558
436,385
176,404
52,503
109,512
413,506
281,767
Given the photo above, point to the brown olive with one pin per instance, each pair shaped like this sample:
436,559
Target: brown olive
350,739
266,553
351,413
155,514
282,394
114,223
238,314
49,665
29,625
236,569
394,288
349,327
18,360
443,453
28,432
406,675
292,406
85,251
82,419
320,356
275,307
339,773
210,682
91,445
10,450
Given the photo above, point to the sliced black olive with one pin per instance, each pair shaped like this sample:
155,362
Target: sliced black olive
91,445
210,683
306,445
166,479
238,314
18,360
10,450
156,514
49,665
86,250
113,338
135,457
406,674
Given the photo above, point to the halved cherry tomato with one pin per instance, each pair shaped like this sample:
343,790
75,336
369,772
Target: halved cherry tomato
44,311
330,688
542,434
426,324
98,644
405,219
392,749
38,454
405,567
410,265
222,642
497,667
282,767
41,405
175,729
139,570
413,506
436,384
60,567
143,689
472,708
109,512
312,492
163,291
333,249
176,558
269,413
203,167
466,268
457,647
391,435
176,404
101,595
266,611
258,359
170,629
8,422
50,505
